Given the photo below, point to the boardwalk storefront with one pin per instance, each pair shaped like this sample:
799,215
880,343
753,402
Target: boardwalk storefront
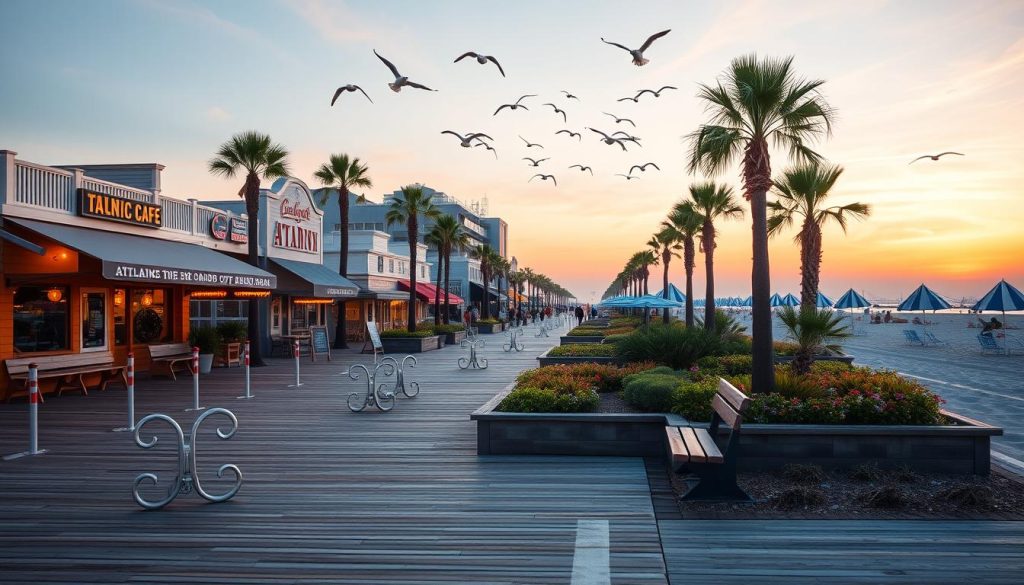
291,245
96,266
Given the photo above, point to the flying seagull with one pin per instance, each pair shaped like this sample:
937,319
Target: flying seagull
656,94
629,99
627,138
935,156
481,59
619,120
514,106
609,139
345,88
530,144
535,163
628,177
400,80
643,167
583,168
545,178
638,54
467,139
487,146
558,111
570,133
569,95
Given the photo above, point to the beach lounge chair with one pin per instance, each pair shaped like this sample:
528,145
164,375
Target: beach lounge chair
912,337
931,339
989,345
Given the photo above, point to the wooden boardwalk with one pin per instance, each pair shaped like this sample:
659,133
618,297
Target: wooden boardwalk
329,495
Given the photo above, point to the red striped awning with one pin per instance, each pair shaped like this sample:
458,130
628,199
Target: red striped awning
425,291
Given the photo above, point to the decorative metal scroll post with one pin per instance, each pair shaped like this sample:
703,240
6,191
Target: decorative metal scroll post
375,395
248,379
542,330
33,416
472,361
195,381
186,479
513,340
130,377
295,350
414,387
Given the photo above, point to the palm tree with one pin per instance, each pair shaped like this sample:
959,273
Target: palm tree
340,174
485,254
812,329
712,201
685,222
433,238
255,155
448,236
408,210
528,276
759,102
803,191
501,268
647,259
666,241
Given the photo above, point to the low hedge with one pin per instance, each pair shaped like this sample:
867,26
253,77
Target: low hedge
444,329
541,400
425,332
583,350
563,387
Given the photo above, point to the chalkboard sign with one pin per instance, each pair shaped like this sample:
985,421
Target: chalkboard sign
319,342
371,328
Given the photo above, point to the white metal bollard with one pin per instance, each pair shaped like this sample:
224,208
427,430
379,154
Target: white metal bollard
130,375
296,351
33,415
195,381
248,393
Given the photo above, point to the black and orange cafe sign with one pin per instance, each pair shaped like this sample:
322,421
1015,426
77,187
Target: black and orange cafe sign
122,209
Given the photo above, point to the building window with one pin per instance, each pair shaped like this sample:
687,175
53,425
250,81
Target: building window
120,324
380,264
41,318
94,320
151,315
391,265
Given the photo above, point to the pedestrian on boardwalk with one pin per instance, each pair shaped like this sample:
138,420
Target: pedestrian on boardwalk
579,315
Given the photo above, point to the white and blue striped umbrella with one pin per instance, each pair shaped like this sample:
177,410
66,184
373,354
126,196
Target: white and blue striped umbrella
790,301
851,300
1003,297
674,294
619,301
824,302
648,302
748,302
775,300
923,299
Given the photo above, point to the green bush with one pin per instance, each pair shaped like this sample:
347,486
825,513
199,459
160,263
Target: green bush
233,331
542,400
425,332
830,367
672,345
488,321
615,338
583,350
692,399
651,392
205,338
785,348
444,329
727,365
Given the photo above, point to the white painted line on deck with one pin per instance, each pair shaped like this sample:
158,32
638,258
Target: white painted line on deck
1014,465
962,387
590,563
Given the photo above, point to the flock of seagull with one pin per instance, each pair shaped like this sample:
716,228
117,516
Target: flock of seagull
477,139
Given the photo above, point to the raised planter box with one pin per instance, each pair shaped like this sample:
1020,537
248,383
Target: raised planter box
410,344
453,338
567,339
963,446
545,360
846,359
489,328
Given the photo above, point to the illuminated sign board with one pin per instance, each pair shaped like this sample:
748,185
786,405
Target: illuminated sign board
122,209
219,226
238,230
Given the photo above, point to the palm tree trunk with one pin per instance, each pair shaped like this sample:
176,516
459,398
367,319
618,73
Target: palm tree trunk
689,257
810,264
447,283
437,293
666,257
763,372
341,330
252,208
647,274
708,242
413,235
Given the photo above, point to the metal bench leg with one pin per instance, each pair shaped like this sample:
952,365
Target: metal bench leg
717,483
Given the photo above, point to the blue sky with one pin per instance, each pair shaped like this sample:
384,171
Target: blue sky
149,81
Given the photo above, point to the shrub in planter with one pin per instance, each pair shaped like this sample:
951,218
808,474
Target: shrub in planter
660,370
583,350
531,399
673,345
600,377
615,338
419,333
446,329
205,338
489,321
651,392
785,348
692,398
727,365
233,331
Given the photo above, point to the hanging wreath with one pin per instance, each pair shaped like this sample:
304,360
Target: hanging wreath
148,325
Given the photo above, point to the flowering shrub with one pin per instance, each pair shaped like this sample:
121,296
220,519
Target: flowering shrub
785,348
542,400
426,332
583,350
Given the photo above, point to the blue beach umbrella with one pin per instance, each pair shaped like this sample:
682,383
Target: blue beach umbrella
674,294
923,299
653,302
748,302
851,300
790,301
1003,297
775,300
824,302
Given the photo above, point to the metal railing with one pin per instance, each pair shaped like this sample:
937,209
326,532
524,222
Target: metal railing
117,190
41,186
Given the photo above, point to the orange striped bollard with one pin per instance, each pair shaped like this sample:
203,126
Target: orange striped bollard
248,393
32,384
130,382
297,383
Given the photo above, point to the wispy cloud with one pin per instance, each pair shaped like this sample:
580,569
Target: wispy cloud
335,21
217,114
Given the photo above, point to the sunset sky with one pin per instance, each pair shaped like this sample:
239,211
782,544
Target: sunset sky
153,81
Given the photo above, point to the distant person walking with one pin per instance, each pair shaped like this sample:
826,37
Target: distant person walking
467,317
579,315
475,316
593,312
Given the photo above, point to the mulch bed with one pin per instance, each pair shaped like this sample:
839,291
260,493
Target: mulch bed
866,493
611,402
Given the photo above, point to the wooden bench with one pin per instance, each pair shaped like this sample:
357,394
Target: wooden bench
697,450
69,370
164,358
